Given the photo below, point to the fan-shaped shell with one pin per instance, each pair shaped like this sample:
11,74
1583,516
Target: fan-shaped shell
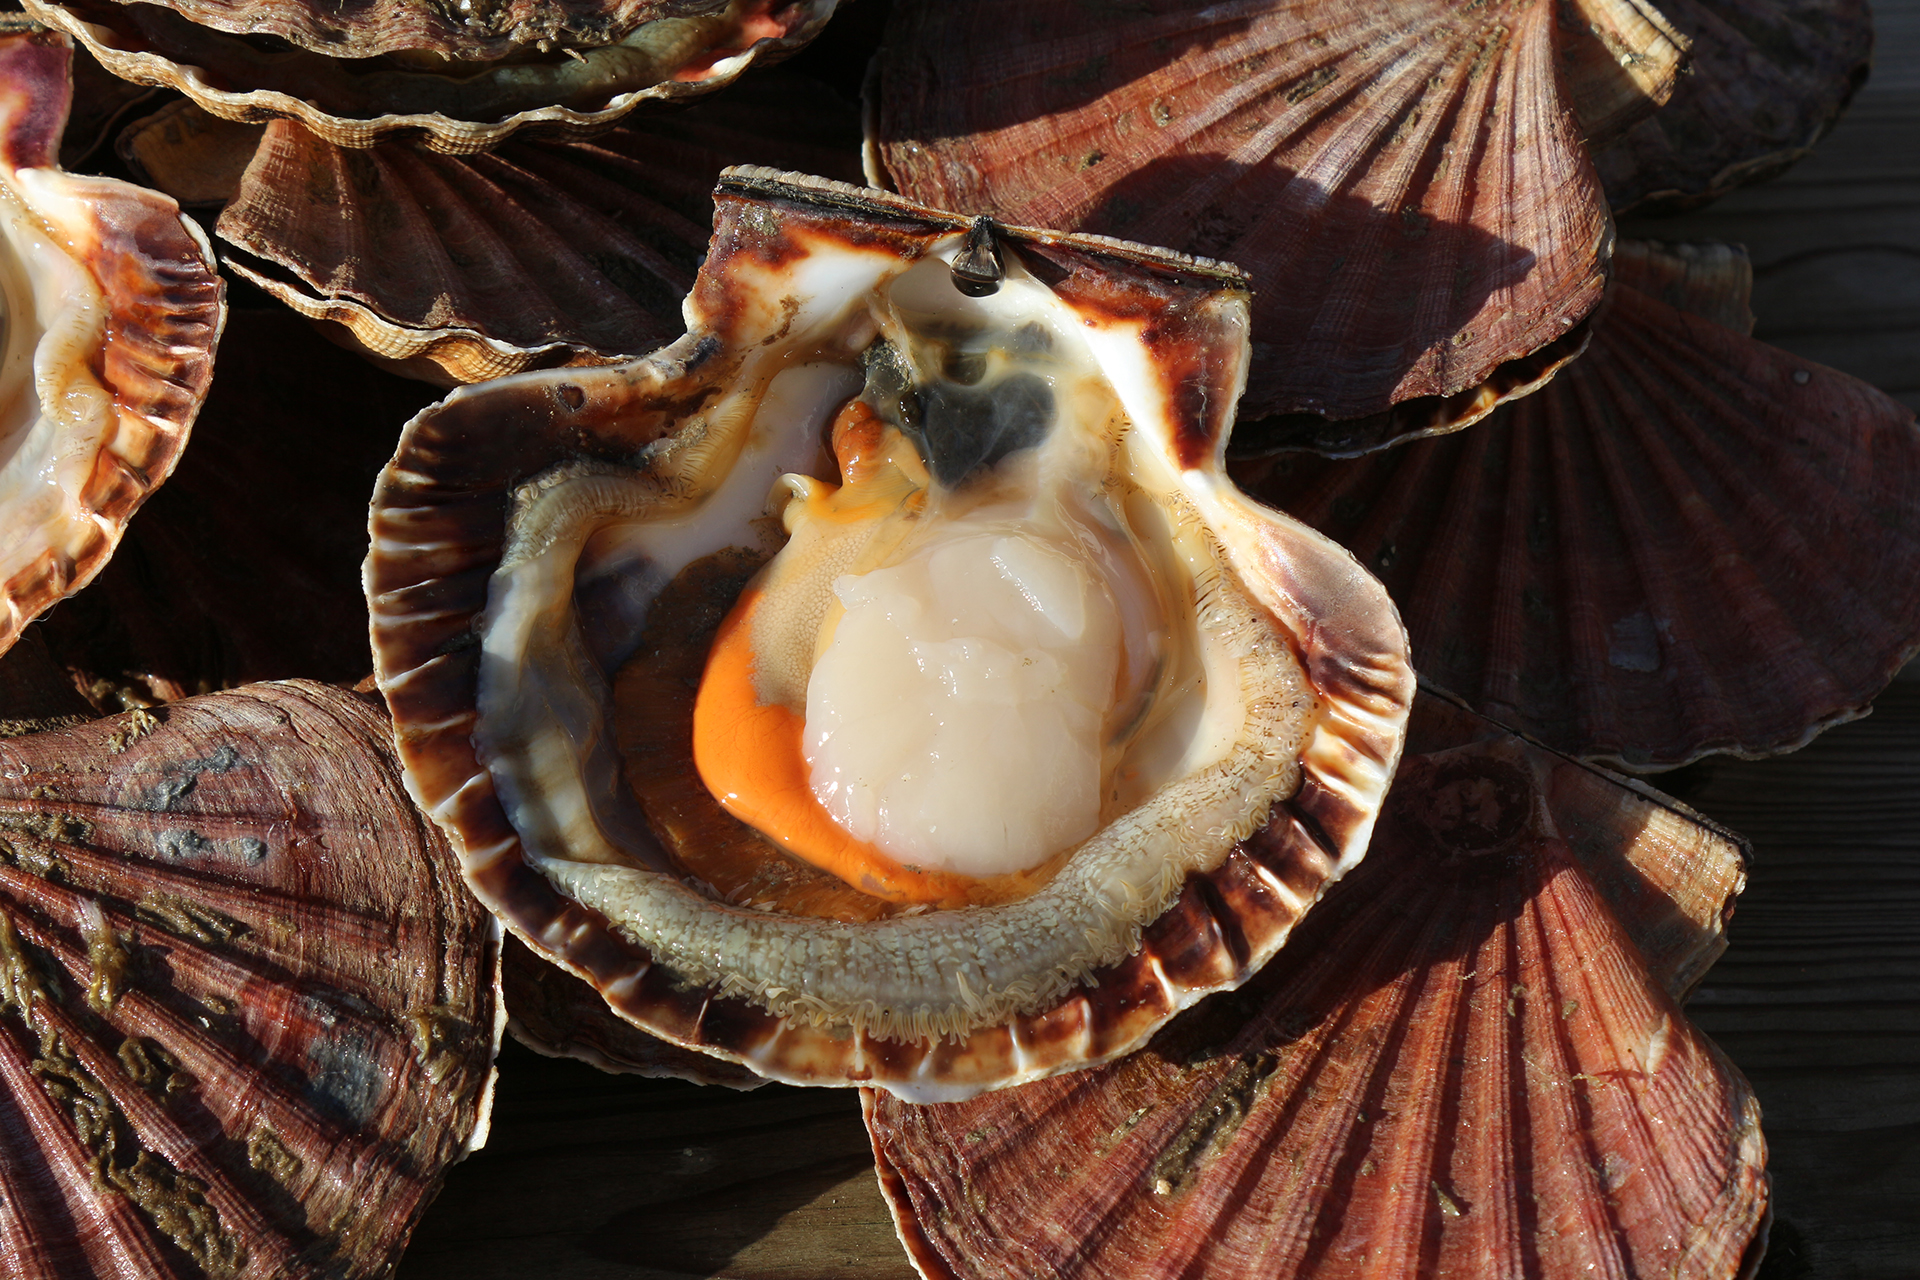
543,252
1462,1066
1769,79
1689,543
247,1010
491,29
1405,184
109,312
454,108
223,580
440,525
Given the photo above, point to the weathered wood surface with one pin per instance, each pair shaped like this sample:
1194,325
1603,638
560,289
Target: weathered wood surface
591,1176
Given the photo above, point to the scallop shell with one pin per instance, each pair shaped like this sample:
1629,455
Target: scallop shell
556,1014
1405,184
467,34
541,253
1463,1066
222,580
1689,543
459,110
109,313
440,521
1770,78
247,1010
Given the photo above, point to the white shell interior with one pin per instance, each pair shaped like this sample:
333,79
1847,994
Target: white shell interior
1206,769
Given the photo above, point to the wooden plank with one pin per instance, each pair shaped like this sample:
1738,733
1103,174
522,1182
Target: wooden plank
1818,997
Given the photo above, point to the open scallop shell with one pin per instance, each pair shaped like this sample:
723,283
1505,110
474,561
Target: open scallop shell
223,580
109,312
247,1009
1469,1062
543,252
456,108
1405,184
1689,543
1769,79
441,525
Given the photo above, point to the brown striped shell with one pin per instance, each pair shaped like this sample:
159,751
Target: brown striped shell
454,107
1470,1062
247,1009
443,529
1689,543
542,252
1406,184
109,314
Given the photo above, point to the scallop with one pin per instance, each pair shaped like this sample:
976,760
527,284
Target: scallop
883,683
460,82
109,313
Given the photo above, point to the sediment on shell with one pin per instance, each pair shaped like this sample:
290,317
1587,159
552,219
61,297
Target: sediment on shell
247,1010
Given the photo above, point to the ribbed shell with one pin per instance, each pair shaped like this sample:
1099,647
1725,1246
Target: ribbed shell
125,374
543,252
470,31
223,580
1461,1067
439,525
247,1009
556,1014
1689,543
1769,79
1405,184
461,110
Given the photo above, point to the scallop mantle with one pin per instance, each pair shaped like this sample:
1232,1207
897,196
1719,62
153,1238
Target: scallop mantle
790,275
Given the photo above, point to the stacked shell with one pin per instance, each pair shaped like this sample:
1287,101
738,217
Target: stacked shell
1691,542
1210,698
463,79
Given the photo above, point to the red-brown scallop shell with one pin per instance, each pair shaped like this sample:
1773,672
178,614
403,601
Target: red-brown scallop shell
1689,543
1406,184
454,106
1470,1062
543,252
109,313
1769,79
441,527
247,1008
